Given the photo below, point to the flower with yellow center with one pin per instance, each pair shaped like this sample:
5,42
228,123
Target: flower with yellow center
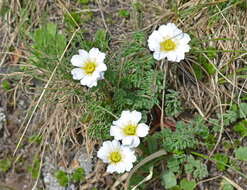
120,158
128,129
90,67
169,42
115,157
167,45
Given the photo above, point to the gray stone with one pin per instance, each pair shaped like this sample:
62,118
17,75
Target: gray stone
2,118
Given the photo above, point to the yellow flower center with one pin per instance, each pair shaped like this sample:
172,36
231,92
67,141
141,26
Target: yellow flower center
130,129
167,45
115,157
89,67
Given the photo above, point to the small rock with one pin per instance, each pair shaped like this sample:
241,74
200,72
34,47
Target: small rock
2,118
50,181
85,161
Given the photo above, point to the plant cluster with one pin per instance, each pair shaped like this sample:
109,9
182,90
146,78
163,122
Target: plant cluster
65,178
189,137
130,80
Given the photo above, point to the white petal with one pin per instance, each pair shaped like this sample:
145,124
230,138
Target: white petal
183,38
83,53
104,151
159,55
142,130
101,77
131,141
90,80
128,117
180,54
92,84
124,119
115,145
101,67
125,115
101,153
111,146
171,56
116,132
106,144
180,57
103,156
77,60
94,53
77,73
120,122
135,116
128,166
111,168
120,167
174,30
101,57
154,41
130,154
165,30
184,48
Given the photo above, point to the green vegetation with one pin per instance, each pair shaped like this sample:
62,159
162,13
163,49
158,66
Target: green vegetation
34,169
5,165
196,109
124,13
64,178
6,85
241,153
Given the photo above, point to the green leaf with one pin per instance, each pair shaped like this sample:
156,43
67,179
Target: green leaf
34,168
242,110
169,179
152,144
241,153
198,71
209,68
124,13
101,40
182,138
35,139
230,116
137,5
5,165
187,185
52,29
241,128
84,2
174,162
196,168
221,161
173,105
6,85
78,175
48,43
225,185
72,18
62,178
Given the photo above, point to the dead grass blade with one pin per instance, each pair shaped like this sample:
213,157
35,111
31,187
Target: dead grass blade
232,183
44,90
141,163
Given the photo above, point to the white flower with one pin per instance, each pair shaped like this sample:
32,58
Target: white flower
90,67
119,157
168,41
127,129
